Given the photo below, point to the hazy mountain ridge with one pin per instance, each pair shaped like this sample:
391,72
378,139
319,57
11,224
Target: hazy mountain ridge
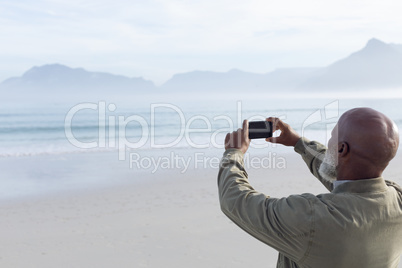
237,80
52,79
377,65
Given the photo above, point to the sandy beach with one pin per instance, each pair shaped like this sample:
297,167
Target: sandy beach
90,210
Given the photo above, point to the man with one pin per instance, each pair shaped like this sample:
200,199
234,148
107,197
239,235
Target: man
357,224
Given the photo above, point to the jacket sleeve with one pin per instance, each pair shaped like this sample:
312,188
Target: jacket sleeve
285,224
313,153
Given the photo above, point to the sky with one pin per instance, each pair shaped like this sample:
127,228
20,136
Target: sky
158,38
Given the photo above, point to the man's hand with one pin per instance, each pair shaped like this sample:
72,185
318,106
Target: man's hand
238,139
288,136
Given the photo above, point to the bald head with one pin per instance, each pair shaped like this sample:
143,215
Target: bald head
371,138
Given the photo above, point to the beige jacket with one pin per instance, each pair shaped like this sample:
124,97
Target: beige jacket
358,224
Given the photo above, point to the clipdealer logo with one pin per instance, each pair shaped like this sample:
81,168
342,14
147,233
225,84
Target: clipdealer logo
112,128
112,133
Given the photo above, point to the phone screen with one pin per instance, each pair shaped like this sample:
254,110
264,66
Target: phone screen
259,129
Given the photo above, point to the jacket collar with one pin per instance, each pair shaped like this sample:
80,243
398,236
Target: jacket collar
362,186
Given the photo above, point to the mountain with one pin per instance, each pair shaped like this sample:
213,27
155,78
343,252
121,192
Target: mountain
59,80
237,80
378,65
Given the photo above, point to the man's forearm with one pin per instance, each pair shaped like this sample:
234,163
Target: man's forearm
231,174
313,153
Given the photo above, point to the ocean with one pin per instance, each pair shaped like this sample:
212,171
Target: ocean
29,129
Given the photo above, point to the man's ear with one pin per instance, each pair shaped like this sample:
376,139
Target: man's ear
343,149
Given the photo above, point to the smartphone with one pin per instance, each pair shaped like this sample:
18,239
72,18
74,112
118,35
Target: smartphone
259,129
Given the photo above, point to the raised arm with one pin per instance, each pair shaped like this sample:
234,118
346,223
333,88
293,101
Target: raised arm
285,224
312,152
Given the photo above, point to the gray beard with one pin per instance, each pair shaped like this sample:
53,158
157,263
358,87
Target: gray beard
327,168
